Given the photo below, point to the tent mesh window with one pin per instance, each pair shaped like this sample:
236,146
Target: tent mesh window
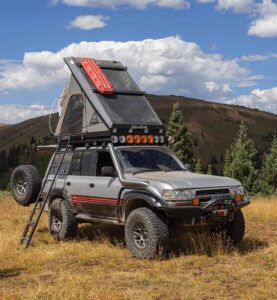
73,120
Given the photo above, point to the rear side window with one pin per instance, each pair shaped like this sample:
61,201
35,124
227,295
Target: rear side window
64,168
83,163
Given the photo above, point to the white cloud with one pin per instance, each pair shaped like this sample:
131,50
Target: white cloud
238,6
255,57
14,113
265,24
88,22
166,66
258,57
264,13
264,27
139,4
265,100
205,1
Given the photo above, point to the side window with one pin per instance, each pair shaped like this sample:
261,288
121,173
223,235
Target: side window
104,159
88,163
64,168
83,163
75,168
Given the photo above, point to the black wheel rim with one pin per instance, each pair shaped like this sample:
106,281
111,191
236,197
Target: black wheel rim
21,185
140,236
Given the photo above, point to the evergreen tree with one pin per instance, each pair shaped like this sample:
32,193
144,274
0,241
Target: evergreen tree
13,160
242,160
32,141
177,129
198,167
226,165
269,170
3,161
210,169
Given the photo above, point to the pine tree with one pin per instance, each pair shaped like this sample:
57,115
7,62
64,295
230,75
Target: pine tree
198,167
242,160
210,169
226,165
3,161
177,129
269,170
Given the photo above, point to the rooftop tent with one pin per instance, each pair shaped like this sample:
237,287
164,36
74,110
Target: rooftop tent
102,98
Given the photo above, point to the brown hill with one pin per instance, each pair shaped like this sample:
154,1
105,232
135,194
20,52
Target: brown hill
213,126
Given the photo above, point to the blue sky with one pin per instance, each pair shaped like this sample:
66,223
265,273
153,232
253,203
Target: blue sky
219,50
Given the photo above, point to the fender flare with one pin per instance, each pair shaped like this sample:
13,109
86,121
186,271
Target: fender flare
60,193
137,198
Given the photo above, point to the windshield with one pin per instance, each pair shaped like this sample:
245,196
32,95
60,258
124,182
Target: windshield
137,159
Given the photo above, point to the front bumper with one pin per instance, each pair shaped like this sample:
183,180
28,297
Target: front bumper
211,212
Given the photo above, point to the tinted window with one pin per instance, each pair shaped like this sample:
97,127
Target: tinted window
83,163
64,168
103,160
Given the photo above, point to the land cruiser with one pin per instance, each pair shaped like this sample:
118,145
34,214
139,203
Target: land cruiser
112,165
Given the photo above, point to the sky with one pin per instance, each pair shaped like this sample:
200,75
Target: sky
217,50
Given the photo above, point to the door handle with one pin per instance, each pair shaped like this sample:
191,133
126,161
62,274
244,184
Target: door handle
91,185
68,183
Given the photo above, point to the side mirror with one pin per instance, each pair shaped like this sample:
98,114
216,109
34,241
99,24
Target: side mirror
108,171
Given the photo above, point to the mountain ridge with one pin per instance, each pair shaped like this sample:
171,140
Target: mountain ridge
213,126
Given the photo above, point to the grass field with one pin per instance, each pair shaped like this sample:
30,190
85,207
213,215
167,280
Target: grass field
98,265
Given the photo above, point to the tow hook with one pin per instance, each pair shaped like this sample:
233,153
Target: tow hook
221,212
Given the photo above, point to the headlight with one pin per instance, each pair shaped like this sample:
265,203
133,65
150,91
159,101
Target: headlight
178,195
238,192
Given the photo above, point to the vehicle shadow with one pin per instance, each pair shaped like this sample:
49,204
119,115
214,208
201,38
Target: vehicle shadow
182,241
6,273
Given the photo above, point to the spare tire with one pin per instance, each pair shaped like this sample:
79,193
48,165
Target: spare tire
25,184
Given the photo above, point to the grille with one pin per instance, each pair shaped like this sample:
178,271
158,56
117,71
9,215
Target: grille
207,195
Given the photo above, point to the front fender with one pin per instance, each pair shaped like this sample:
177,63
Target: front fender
136,199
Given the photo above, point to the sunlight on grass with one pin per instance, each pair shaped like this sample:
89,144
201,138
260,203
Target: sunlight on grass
97,264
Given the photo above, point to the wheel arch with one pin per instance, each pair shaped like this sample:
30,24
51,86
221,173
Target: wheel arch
60,193
135,200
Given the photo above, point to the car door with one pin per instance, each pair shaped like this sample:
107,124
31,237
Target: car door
92,193
104,191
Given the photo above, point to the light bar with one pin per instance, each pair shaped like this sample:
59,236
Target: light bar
138,139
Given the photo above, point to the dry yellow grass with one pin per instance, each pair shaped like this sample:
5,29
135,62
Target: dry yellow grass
98,266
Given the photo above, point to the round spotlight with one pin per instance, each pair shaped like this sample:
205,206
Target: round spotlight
144,139
114,139
150,139
137,139
122,139
130,139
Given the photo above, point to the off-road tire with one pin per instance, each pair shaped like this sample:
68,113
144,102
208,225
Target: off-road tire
235,229
157,233
61,220
25,184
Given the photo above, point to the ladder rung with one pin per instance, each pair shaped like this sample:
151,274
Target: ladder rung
40,204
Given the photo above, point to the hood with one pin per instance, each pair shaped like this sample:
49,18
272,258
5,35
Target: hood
185,179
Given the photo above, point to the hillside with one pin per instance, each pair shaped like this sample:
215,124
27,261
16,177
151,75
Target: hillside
213,128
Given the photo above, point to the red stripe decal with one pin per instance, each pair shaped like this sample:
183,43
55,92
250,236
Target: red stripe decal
84,199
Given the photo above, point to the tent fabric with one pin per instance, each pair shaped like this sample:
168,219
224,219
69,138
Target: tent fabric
73,120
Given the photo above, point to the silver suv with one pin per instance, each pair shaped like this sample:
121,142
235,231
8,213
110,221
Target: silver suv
145,188
116,169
